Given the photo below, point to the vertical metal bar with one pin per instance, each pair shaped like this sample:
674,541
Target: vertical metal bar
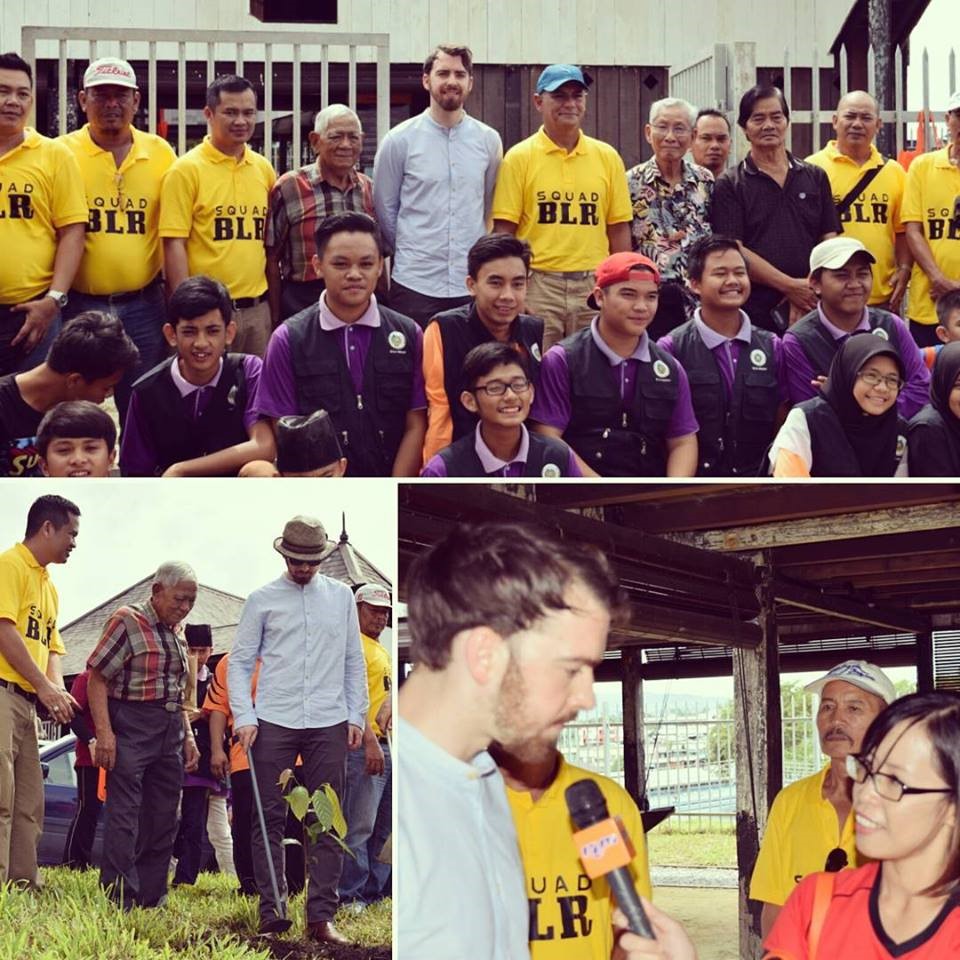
123,49
383,92
152,86
898,105
844,79
952,71
871,73
788,93
62,88
296,159
182,97
324,76
927,124
94,48
815,101
239,59
268,102
352,79
211,63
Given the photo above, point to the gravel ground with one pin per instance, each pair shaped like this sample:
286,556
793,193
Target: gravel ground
693,877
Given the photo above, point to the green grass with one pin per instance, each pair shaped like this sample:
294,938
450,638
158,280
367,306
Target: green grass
683,849
71,920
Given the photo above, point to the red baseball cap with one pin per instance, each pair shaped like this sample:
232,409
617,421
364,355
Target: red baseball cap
619,267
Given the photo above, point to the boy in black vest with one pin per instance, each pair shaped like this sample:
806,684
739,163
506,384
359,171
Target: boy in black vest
735,369
612,394
841,274
498,266
193,414
499,392
348,355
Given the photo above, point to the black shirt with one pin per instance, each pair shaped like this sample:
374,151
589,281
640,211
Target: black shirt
18,432
781,224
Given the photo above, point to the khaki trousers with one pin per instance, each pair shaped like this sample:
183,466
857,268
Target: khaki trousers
560,300
253,329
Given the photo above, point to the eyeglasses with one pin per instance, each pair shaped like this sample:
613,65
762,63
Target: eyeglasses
677,129
302,563
891,381
497,388
887,786
836,860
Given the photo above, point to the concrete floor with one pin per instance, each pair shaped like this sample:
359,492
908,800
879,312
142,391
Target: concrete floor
710,916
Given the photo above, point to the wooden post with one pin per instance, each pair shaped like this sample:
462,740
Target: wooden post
756,694
925,662
634,767
879,15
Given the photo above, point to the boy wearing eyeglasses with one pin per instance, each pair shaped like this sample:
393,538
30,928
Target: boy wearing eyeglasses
499,392
841,274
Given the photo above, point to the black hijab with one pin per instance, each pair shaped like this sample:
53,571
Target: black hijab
945,373
873,438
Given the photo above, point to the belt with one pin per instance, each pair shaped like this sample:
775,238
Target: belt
171,706
16,688
113,298
568,274
243,302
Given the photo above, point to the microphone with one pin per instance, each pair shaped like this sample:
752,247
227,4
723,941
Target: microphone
605,850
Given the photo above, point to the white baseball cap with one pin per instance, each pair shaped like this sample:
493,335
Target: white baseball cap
110,70
954,102
835,252
867,676
374,594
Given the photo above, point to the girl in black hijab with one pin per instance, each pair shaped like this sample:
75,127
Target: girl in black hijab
934,432
852,429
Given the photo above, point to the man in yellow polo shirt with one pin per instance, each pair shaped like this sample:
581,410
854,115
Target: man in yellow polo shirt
872,214
931,212
213,207
42,216
810,824
30,650
571,916
566,194
122,168
368,779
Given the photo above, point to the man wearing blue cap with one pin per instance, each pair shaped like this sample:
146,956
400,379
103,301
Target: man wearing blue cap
566,194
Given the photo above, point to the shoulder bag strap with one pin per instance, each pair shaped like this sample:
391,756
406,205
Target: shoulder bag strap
844,205
822,895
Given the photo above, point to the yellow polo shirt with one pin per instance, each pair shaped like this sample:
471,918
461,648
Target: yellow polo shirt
219,205
378,677
562,203
40,192
122,251
874,216
802,828
933,185
570,914
29,600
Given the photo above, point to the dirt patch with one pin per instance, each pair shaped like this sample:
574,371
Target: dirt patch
285,949
710,916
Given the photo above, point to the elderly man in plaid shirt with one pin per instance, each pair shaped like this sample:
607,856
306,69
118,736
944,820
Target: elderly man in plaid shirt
138,672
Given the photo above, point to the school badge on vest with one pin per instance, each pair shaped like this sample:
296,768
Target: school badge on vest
881,333
535,352
661,370
901,446
550,470
397,340
758,358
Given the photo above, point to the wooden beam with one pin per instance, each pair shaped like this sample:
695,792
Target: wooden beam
875,523
889,565
631,691
650,622
865,548
925,662
899,621
569,495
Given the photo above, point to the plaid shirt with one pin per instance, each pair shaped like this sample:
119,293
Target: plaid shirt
140,658
298,200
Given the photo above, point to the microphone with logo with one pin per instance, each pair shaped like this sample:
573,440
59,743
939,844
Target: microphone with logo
605,850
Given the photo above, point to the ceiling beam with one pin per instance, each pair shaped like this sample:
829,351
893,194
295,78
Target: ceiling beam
898,621
851,570
863,548
649,622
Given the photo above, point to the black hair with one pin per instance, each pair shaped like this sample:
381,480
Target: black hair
13,61
197,296
229,83
451,50
711,112
93,344
58,510
947,303
762,91
493,246
350,222
74,419
485,357
701,248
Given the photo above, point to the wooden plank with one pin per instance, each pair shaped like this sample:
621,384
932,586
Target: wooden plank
512,131
493,93
608,107
631,122
925,668
815,600
529,117
634,766
474,104
649,94
594,102
878,569
865,548
675,627
587,20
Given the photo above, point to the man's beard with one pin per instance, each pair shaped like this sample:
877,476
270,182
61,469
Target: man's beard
513,729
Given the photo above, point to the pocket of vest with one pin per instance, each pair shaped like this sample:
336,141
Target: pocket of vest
659,399
760,400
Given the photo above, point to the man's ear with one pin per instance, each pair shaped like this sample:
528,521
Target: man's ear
469,401
170,335
483,650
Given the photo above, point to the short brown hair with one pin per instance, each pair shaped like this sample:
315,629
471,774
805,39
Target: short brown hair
505,576
451,50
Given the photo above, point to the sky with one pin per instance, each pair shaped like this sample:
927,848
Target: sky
937,32
223,528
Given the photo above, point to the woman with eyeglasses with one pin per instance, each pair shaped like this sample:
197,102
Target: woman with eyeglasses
905,903
934,433
853,428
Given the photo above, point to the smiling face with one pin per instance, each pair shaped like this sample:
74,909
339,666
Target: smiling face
628,308
77,457
724,284
16,99
844,292
548,678
233,120
843,716
448,82
918,827
60,542
562,109
200,342
670,134
173,602
350,267
109,108
499,293
509,409
877,398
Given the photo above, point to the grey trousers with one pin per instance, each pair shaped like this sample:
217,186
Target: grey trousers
140,814
324,752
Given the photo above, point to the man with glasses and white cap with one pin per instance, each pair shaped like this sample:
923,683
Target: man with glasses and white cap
311,700
841,274
810,824
122,168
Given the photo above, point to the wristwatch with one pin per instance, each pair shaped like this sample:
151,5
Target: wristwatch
58,297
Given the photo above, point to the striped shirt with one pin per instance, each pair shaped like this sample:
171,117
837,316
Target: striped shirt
299,200
140,658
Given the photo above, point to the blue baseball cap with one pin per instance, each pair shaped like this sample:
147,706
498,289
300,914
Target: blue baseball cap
557,74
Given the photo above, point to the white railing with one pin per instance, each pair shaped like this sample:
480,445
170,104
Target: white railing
272,47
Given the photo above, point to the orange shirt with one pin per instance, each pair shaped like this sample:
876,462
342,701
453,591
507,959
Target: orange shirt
218,701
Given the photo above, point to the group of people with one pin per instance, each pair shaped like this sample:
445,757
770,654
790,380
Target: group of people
306,687
508,624
661,321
